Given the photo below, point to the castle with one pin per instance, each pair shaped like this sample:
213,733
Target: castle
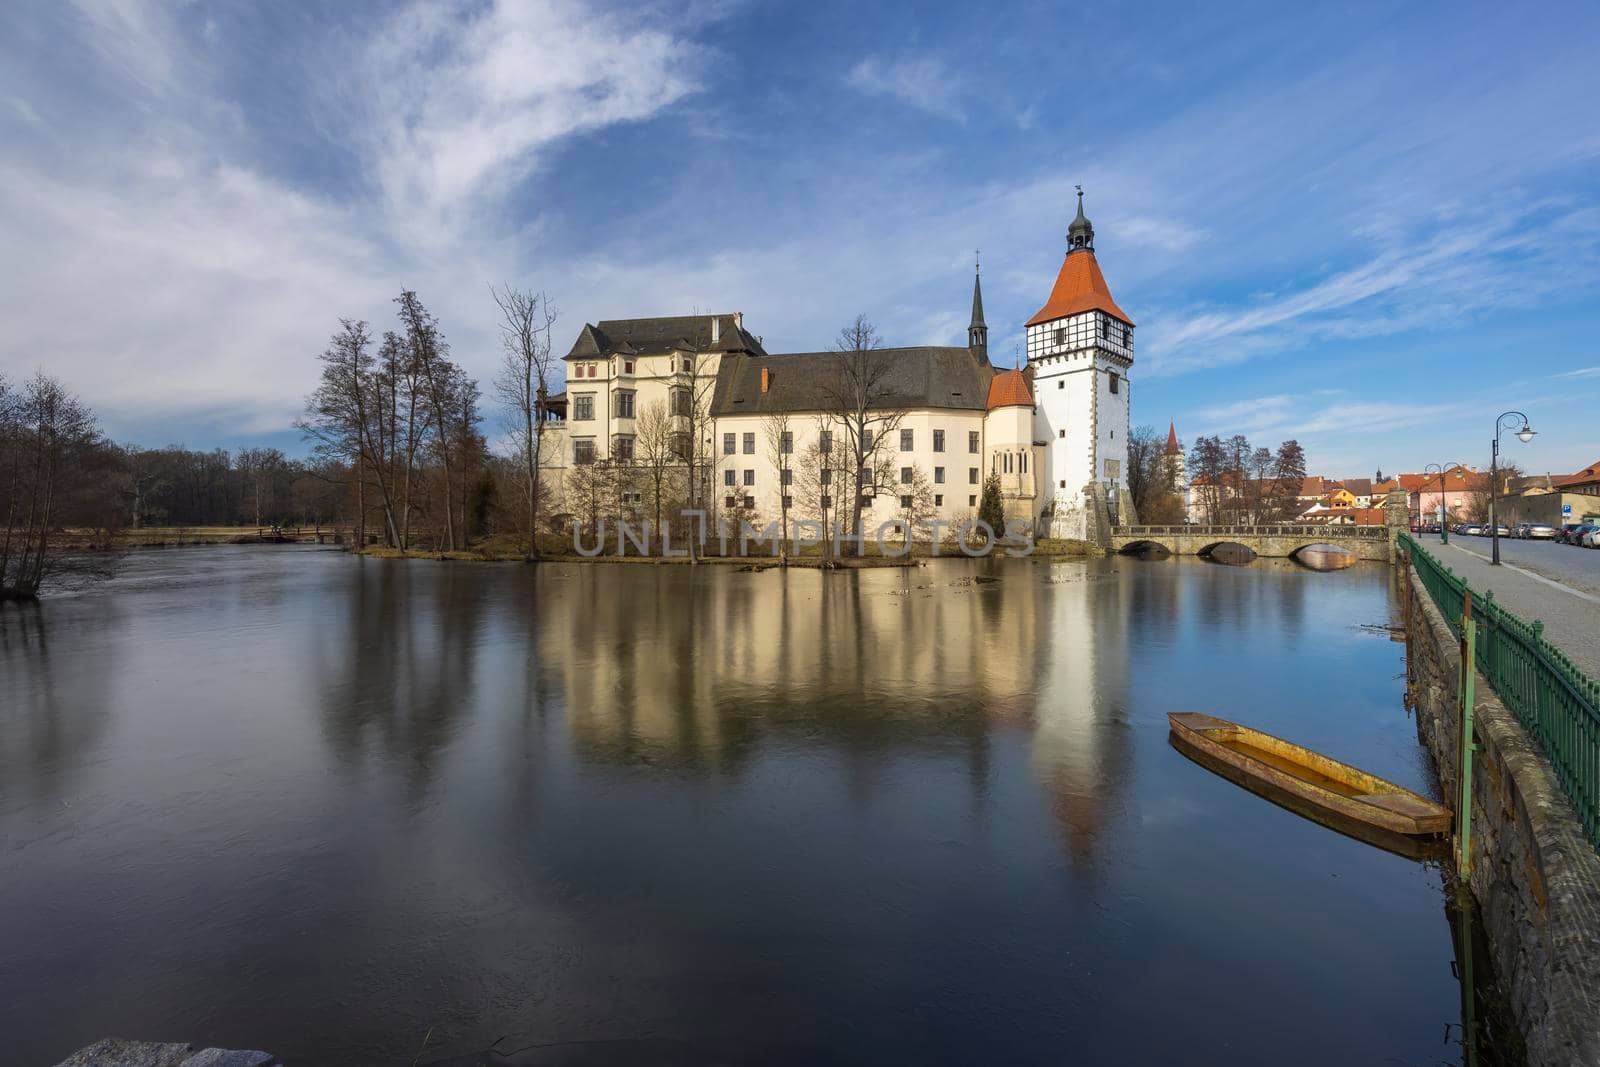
763,427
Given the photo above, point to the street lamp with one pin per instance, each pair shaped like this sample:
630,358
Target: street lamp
1444,512
1525,434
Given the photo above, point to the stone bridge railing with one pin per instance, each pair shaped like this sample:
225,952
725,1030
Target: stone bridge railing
1316,532
1279,540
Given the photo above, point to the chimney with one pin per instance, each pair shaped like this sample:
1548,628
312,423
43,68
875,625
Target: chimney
738,319
766,380
716,328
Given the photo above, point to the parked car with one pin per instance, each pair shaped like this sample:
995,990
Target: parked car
1576,534
1520,530
1501,530
1471,528
1592,538
1538,531
1566,530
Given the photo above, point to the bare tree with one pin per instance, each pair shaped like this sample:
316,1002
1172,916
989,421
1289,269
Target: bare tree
690,394
526,322
656,454
780,449
821,474
431,354
916,502
48,446
860,397
339,418
1288,473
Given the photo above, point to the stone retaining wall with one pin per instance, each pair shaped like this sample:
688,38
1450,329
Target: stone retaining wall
1534,874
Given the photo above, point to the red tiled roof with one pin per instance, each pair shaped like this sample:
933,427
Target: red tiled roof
1079,287
1591,473
1009,388
1456,479
1172,439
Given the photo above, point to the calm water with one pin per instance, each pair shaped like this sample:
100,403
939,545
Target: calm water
287,799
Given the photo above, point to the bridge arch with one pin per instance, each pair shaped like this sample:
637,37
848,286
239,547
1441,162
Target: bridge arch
1145,544
1209,550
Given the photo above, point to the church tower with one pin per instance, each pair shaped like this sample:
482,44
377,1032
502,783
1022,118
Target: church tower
1080,349
978,330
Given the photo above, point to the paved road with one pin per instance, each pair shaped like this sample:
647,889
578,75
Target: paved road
1569,608
1578,568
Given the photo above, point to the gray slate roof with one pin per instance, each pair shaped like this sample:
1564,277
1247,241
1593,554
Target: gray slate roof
925,376
643,337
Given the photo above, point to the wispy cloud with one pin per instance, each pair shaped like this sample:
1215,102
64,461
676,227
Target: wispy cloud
176,281
924,82
1581,372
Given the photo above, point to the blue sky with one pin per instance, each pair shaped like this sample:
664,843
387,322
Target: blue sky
1371,227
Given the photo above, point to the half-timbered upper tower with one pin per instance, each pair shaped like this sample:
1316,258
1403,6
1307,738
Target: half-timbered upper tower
1080,348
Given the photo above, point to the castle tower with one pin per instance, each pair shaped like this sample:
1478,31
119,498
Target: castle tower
978,330
1080,348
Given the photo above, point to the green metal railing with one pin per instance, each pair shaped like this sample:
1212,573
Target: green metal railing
1556,703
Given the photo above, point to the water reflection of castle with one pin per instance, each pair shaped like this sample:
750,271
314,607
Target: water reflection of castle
658,666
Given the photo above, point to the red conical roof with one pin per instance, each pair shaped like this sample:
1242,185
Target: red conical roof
1008,388
1079,287
1172,439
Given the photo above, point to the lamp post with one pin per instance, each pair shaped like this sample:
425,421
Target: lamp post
1444,512
1525,434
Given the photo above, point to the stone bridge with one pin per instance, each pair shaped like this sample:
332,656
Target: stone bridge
1365,542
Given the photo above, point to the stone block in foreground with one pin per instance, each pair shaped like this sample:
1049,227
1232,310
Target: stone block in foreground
115,1052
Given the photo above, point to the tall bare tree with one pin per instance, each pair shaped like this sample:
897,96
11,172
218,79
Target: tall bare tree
340,419
48,441
776,427
655,453
526,322
860,397
432,355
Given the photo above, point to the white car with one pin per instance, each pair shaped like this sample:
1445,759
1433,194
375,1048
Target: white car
1538,531
1592,538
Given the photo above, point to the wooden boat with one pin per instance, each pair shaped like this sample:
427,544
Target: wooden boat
1334,787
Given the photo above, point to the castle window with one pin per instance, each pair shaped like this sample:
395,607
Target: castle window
622,448
749,502
972,441
1024,463
787,476
825,442
786,443
1061,383
679,401
866,441
1114,380
906,441
972,501
827,501
749,477
730,502
905,475
972,475
749,444
583,451
938,440
729,444
624,403
905,502
729,476
583,407
627,366
938,475
1061,336
1063,433
938,500
826,478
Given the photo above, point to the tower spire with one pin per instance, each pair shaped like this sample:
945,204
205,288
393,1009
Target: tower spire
977,329
1081,233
